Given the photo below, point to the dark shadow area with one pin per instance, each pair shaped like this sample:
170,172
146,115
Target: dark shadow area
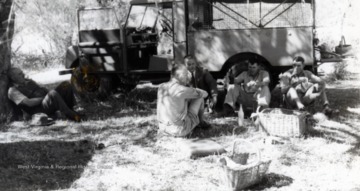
217,130
331,136
341,99
146,94
43,165
220,98
140,113
150,137
272,180
355,150
139,102
52,130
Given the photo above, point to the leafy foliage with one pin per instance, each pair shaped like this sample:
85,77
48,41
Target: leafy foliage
53,20
56,22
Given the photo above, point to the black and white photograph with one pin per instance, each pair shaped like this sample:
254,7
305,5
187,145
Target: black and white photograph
179,95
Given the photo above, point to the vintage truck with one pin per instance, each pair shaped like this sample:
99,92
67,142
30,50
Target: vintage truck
159,33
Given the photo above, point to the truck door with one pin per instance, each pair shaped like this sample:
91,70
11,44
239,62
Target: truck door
179,31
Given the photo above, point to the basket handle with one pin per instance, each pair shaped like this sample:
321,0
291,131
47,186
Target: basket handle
266,109
258,159
342,42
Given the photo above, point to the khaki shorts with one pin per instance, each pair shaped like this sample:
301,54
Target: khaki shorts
182,128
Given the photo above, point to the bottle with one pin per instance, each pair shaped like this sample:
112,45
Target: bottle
241,117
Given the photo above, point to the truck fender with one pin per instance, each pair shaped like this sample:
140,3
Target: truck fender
72,56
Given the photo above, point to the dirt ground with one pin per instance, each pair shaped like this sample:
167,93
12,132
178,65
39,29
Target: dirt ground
66,155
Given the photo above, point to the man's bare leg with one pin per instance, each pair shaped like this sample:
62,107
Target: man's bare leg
232,95
312,94
293,98
196,106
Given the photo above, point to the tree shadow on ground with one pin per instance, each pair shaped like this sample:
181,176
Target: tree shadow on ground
139,102
343,98
272,180
216,130
140,113
43,165
341,128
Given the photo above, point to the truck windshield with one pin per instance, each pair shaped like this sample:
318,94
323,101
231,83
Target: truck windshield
100,18
142,16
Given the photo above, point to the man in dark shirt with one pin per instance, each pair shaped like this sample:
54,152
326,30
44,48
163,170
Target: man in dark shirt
31,98
202,79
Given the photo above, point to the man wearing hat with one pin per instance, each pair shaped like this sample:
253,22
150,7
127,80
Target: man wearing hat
32,98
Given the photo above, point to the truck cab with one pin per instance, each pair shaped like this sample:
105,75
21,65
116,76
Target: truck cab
111,53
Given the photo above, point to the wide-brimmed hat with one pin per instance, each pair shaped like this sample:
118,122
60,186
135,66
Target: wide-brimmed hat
41,119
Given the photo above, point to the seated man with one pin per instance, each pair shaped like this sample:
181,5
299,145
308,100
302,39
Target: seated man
179,108
31,98
202,79
301,87
250,90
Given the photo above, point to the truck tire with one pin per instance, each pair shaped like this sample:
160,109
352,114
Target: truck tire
90,86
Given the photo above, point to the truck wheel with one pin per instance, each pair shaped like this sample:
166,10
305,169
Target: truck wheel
90,86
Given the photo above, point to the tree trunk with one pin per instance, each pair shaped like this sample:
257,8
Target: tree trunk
7,21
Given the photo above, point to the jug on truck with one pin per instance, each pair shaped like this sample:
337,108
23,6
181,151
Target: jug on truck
159,33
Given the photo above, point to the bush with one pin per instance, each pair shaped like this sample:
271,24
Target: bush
34,62
340,72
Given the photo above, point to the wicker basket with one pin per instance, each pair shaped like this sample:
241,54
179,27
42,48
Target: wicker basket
239,173
283,122
343,48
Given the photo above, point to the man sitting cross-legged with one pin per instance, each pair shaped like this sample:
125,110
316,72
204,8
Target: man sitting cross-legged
32,98
301,87
250,90
179,107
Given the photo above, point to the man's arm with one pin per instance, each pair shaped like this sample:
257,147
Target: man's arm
20,99
31,102
189,93
314,79
240,78
265,80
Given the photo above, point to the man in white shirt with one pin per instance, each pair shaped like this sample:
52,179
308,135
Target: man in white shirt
32,98
303,87
179,107
250,90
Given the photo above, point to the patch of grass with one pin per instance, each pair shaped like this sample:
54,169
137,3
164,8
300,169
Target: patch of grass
134,157
43,164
